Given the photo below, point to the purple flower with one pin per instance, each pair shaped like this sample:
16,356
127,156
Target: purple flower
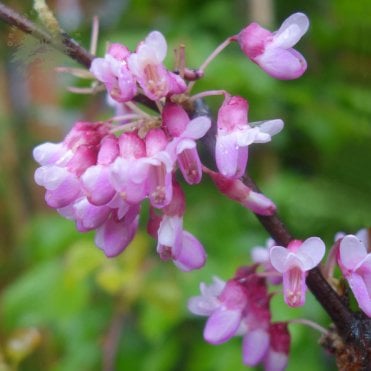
173,242
160,165
355,264
185,132
276,356
63,164
113,71
129,171
234,135
146,65
294,262
273,52
240,306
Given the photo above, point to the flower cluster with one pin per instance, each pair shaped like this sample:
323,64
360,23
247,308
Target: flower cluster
100,174
352,254
240,307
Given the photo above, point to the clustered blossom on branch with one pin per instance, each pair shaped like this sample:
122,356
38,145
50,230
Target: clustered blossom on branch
102,172
240,307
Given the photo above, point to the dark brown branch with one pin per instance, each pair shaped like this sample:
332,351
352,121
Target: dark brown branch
65,44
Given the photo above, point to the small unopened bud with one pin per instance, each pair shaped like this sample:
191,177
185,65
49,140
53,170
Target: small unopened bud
236,190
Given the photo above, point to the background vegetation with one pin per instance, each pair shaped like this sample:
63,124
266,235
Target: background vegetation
63,305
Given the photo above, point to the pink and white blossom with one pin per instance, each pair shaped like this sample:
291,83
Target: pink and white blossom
146,64
240,307
160,165
113,71
273,52
173,242
185,132
294,262
236,190
355,264
234,135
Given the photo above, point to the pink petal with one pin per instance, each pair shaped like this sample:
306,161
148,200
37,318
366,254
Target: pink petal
190,163
192,254
255,345
284,64
231,159
260,255
275,361
294,287
222,325
97,185
271,127
197,127
174,118
88,216
156,41
259,204
108,151
127,85
311,252
48,153
361,292
170,234
176,84
114,236
291,31
203,306
351,252
278,257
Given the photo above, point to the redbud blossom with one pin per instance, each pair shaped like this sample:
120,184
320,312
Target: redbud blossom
113,71
237,191
355,264
147,67
234,135
175,243
279,346
294,262
185,132
273,52
238,307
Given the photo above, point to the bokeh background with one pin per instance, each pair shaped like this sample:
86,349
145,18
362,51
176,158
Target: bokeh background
63,305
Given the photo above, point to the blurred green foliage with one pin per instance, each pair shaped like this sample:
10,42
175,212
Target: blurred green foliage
316,170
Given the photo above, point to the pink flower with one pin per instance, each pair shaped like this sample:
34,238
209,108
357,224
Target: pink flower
113,71
273,52
234,135
160,165
146,65
64,163
355,264
96,179
129,171
294,262
173,242
185,132
116,233
241,307
237,191
276,356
